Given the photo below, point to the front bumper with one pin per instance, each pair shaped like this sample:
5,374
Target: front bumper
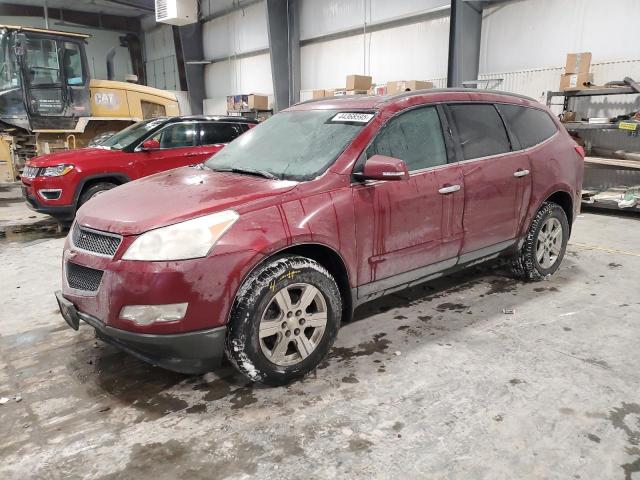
191,353
59,212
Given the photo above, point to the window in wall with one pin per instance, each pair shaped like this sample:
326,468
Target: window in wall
480,130
219,132
529,125
178,135
42,61
415,137
73,68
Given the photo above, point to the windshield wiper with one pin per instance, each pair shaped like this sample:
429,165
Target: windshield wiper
247,171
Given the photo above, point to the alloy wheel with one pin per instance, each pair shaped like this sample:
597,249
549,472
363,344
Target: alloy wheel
549,243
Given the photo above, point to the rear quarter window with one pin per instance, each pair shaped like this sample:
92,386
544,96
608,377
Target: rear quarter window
529,125
481,132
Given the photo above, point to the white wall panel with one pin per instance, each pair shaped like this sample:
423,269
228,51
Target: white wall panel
539,33
241,31
247,75
321,17
412,52
160,57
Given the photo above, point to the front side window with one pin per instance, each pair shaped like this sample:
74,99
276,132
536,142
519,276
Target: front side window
529,125
178,135
296,145
132,134
42,61
73,64
213,133
414,137
8,66
480,130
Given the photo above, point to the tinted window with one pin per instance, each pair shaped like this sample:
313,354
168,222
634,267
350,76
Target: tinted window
480,130
178,135
530,126
415,137
42,61
219,132
73,64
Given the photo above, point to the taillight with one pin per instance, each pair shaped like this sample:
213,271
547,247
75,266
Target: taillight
579,150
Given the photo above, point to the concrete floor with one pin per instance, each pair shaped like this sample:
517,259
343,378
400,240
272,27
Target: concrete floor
435,382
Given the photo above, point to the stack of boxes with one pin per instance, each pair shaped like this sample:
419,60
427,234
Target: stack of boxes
361,84
576,72
243,103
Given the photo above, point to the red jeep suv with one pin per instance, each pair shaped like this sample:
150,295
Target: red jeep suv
262,251
59,183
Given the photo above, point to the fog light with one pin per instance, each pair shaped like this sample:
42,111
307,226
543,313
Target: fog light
148,314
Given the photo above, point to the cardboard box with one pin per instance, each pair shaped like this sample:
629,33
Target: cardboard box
230,103
358,82
318,94
578,62
252,101
400,86
329,93
575,81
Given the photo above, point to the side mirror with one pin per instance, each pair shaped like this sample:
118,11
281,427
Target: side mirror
381,167
150,144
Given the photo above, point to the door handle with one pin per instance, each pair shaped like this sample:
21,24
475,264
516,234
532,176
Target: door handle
521,173
449,189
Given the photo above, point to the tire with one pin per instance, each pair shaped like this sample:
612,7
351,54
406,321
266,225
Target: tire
265,341
526,263
94,190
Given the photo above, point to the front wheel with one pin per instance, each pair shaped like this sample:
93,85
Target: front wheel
94,191
284,320
545,244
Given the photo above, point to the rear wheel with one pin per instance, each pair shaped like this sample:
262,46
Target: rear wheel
544,246
284,320
94,190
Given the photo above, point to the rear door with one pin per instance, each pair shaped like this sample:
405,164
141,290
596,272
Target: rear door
178,148
496,178
402,227
215,135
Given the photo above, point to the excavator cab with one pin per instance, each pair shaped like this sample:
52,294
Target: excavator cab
44,79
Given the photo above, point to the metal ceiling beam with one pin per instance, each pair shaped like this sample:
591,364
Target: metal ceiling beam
284,45
464,41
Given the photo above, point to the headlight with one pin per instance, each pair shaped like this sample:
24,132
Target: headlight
190,239
57,171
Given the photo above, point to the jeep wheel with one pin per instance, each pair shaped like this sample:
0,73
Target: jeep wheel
94,190
284,320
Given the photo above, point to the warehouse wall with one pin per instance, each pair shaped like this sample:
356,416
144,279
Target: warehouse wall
160,61
414,51
97,46
227,37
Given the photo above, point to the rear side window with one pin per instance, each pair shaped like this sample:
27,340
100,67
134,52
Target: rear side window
415,137
219,132
530,126
480,130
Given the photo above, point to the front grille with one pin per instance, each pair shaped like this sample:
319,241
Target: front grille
83,278
97,242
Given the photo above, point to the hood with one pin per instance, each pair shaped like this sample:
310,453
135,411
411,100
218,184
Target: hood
70,157
174,196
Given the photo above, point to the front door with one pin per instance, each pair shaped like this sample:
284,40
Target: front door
407,229
495,177
178,148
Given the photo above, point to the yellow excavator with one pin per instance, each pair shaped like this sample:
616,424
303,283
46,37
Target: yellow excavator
48,102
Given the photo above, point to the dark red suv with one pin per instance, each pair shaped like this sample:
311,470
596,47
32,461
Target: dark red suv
59,183
262,251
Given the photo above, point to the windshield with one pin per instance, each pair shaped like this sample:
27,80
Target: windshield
8,68
298,145
131,134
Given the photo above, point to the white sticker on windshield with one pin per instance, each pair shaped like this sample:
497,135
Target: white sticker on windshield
352,117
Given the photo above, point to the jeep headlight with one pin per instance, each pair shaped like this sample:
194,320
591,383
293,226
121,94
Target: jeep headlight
57,171
189,239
